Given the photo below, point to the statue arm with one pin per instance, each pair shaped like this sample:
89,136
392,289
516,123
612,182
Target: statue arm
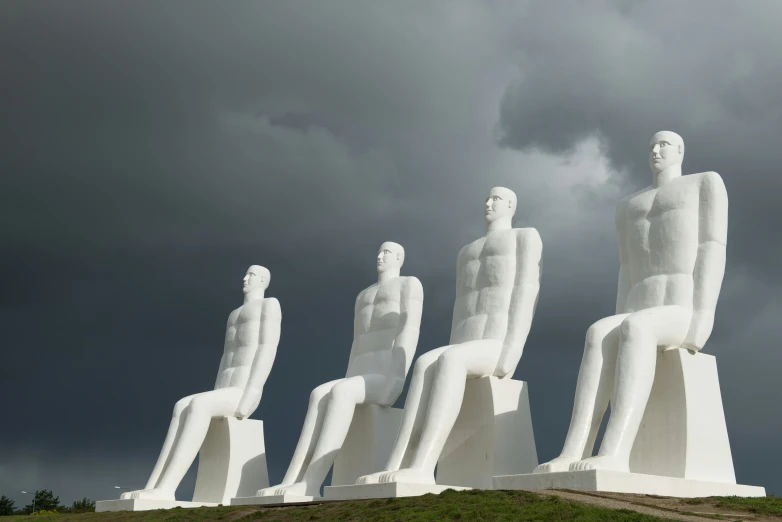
524,299
225,349
356,328
411,307
710,261
457,302
623,283
268,339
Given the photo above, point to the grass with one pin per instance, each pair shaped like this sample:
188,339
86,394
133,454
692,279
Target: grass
760,505
469,506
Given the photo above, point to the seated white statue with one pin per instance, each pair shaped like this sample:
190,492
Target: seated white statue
497,284
251,339
672,238
385,335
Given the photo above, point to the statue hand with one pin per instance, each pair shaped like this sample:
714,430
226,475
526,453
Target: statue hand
701,326
246,406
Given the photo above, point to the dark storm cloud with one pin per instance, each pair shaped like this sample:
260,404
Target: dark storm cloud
151,152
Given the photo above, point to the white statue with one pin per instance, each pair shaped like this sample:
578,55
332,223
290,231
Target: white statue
671,238
497,284
385,335
251,339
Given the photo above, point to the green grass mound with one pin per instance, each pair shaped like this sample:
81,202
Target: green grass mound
469,506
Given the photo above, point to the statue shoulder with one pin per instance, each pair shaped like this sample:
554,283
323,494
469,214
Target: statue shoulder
711,182
529,240
412,287
271,306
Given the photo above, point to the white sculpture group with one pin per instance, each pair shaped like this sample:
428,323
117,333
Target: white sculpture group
671,237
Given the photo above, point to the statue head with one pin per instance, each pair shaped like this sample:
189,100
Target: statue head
501,203
665,150
390,256
256,278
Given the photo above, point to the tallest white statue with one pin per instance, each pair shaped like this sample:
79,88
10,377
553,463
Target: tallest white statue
672,238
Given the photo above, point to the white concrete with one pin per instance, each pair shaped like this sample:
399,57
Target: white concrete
622,482
368,444
492,435
683,432
497,283
255,500
143,504
386,325
672,237
366,448
383,490
251,338
232,461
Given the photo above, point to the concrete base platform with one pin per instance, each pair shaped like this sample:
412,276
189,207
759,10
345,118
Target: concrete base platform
143,504
384,490
620,482
272,499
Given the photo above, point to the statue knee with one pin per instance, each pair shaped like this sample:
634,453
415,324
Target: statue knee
632,329
423,362
449,361
197,405
318,393
180,406
342,392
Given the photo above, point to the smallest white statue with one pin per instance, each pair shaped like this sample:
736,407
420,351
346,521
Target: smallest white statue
251,339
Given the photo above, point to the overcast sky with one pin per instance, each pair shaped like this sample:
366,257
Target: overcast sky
151,151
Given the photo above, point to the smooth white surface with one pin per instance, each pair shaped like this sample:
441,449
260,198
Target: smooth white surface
497,283
232,461
492,435
251,339
683,432
386,490
368,444
621,482
271,499
671,238
385,336
141,504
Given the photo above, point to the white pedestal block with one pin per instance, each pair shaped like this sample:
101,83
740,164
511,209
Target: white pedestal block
231,463
272,499
682,447
366,449
620,482
683,433
142,504
492,435
368,443
386,490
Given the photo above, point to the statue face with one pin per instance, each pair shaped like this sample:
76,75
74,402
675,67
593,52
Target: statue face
255,278
665,150
500,203
390,256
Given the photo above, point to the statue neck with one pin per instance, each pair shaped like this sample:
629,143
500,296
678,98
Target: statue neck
254,295
498,224
387,275
666,175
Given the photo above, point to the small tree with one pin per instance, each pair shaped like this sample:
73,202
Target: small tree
6,506
83,506
43,499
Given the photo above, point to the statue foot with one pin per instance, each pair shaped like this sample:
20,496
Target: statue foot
558,464
299,488
153,494
409,475
270,491
607,462
374,478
